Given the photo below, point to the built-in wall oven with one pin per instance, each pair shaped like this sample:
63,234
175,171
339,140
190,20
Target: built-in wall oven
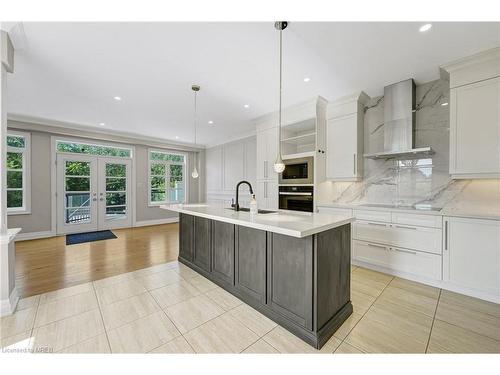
296,198
298,171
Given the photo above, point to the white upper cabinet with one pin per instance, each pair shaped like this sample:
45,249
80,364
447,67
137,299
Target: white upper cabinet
345,138
475,116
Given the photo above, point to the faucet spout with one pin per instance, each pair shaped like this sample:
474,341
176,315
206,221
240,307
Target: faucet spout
236,204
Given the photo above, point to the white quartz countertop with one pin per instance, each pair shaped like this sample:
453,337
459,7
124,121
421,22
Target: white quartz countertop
473,211
289,223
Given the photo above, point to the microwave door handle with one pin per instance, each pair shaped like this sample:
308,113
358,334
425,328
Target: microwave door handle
290,193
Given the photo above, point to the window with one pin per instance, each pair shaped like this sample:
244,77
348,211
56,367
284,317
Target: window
18,172
89,149
166,177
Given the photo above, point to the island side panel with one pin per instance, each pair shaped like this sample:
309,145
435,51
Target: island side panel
250,264
186,237
223,251
290,278
202,245
333,276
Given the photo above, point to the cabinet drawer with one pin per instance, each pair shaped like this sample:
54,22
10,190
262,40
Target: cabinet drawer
402,260
372,215
335,211
406,236
433,221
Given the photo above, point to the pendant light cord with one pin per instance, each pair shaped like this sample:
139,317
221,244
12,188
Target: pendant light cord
195,117
281,89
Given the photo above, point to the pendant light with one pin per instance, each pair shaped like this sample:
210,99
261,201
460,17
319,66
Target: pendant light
279,166
195,89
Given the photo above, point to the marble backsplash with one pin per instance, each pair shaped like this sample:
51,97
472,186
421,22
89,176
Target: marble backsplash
424,182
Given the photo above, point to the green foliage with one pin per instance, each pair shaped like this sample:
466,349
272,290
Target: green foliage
116,170
77,183
116,184
15,141
14,160
77,168
14,198
80,148
167,157
115,199
157,169
14,179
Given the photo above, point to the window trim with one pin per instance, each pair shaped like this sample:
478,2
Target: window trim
26,189
166,163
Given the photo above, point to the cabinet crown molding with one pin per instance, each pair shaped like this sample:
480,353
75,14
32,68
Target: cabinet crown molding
7,51
360,96
477,58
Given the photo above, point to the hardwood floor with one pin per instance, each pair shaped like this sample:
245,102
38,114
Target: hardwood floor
48,264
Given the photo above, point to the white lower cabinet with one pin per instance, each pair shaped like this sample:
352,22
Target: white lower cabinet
471,256
392,241
418,263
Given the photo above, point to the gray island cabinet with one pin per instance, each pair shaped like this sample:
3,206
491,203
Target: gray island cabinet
300,282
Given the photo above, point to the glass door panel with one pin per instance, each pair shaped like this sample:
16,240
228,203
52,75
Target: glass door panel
77,193
114,194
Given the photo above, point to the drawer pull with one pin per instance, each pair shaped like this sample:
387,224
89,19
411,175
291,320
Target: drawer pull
377,224
378,246
403,227
404,251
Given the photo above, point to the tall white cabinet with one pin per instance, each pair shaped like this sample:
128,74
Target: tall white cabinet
475,116
345,138
226,165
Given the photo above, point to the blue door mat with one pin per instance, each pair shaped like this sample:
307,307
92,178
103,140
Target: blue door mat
72,239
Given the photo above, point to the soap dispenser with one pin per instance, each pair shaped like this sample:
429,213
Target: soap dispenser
253,205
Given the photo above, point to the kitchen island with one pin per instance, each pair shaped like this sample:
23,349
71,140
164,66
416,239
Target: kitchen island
292,267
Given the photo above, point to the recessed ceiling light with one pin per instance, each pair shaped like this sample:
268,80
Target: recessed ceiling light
444,104
307,79
246,105
425,27
210,122
176,137
117,98
102,124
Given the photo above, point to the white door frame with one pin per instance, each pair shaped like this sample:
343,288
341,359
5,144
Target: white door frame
53,177
92,225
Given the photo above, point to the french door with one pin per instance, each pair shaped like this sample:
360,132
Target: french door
93,193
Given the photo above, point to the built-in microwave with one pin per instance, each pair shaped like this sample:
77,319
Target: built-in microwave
298,171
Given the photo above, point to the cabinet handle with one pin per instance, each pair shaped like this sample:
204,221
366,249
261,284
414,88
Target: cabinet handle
403,227
404,251
446,235
265,189
377,246
376,224
354,163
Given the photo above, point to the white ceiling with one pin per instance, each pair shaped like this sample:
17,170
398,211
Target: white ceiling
71,71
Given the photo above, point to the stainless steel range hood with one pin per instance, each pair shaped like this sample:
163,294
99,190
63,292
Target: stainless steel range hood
399,123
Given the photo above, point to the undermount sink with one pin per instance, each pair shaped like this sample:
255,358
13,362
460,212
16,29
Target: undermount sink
246,209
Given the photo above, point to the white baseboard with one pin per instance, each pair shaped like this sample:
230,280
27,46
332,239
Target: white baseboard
8,306
427,281
34,235
146,223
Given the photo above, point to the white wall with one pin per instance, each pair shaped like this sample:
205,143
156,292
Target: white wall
40,219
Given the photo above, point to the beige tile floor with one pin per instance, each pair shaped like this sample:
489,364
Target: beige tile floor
171,309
